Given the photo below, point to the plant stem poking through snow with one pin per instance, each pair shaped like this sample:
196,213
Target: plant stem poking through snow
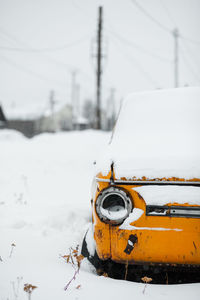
167,279
73,278
75,260
16,288
146,280
12,248
126,270
28,288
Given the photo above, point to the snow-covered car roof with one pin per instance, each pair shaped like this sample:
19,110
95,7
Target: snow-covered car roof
156,136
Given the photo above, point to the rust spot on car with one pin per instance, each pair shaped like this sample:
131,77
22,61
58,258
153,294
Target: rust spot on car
132,240
99,234
121,235
195,247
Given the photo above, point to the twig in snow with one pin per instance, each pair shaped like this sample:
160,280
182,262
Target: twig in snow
126,270
12,248
167,279
73,278
16,290
75,260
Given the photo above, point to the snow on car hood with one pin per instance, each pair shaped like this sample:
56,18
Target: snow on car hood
162,195
156,135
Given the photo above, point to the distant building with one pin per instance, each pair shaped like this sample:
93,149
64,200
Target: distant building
81,123
33,124
22,121
3,120
61,120
27,127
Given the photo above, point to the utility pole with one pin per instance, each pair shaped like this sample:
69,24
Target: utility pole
99,69
77,107
52,101
176,58
113,107
73,94
111,110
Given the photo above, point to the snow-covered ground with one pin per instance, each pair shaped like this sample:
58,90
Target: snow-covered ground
45,209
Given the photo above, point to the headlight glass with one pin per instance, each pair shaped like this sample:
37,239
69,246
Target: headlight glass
113,205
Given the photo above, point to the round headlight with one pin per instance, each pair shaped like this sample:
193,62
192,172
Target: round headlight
113,205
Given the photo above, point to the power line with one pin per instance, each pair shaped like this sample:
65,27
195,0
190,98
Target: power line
190,40
70,68
19,42
168,13
148,15
185,61
6,38
189,53
28,71
140,48
159,24
83,12
140,68
174,24
63,47
12,37
188,65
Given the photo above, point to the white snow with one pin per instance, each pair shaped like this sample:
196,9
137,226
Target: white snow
91,246
132,227
45,209
134,216
9,134
114,213
156,135
161,195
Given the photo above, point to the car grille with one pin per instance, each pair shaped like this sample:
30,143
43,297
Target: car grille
173,211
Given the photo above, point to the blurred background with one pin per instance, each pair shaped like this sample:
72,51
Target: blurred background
68,64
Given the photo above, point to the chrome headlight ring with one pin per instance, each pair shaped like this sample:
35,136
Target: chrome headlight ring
113,205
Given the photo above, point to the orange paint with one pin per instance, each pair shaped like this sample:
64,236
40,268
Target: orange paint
167,246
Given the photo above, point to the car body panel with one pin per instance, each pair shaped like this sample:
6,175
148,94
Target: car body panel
158,239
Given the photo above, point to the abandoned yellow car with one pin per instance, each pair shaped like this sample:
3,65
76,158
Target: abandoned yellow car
146,192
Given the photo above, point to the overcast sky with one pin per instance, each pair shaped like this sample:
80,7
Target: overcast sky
43,41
